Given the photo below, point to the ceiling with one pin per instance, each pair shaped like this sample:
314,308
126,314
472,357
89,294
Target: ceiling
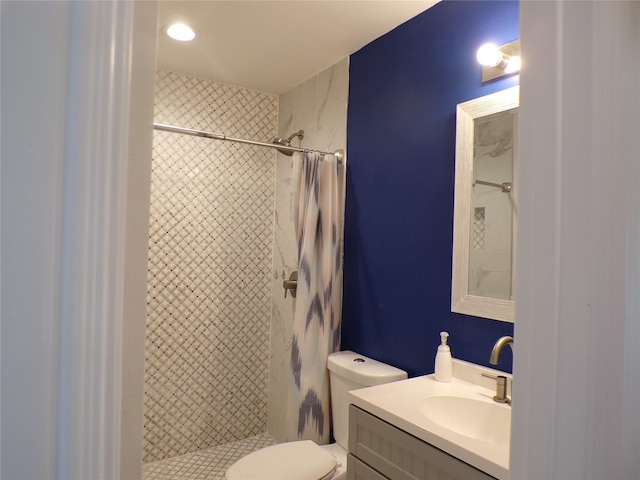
273,46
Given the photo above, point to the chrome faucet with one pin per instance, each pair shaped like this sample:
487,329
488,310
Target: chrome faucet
497,349
501,380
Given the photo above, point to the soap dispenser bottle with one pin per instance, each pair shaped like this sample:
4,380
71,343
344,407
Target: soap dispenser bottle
444,365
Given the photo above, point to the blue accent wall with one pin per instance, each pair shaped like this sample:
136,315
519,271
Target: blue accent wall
403,92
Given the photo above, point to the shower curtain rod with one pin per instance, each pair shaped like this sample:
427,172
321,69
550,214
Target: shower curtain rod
339,154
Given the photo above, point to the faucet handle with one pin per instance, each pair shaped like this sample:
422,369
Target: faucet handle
291,284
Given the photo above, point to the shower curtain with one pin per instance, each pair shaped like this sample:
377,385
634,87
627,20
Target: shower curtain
316,321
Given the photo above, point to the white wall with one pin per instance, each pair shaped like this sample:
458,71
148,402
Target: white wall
577,357
31,225
64,156
137,235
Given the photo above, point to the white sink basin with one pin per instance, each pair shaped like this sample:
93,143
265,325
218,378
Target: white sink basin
459,417
480,419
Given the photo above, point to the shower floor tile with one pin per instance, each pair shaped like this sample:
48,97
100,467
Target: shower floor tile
207,464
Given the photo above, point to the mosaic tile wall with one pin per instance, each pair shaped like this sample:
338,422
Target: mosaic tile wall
210,261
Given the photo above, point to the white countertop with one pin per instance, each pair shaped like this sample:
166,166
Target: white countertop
398,404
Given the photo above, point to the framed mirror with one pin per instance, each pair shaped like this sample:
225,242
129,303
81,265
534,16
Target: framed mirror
484,233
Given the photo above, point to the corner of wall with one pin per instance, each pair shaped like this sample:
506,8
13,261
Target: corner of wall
137,235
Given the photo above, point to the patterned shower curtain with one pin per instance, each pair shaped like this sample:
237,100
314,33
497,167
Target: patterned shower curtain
316,321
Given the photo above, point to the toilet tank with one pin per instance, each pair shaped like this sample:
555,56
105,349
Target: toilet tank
350,371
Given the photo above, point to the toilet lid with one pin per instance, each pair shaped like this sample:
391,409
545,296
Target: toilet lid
302,460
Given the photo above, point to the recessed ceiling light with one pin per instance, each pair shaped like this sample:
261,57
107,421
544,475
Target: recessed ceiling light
181,32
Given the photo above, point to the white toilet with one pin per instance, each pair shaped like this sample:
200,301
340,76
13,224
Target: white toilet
304,460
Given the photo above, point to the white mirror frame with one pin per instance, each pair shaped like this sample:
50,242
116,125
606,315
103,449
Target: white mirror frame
467,112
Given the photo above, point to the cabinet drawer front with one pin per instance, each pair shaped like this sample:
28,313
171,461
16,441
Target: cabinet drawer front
357,470
401,456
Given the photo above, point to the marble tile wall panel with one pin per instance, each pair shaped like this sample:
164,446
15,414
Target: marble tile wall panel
210,268
319,107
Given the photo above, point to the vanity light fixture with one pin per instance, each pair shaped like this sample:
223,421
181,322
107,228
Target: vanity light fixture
498,61
181,32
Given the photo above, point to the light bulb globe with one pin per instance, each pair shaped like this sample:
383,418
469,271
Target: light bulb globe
489,55
513,65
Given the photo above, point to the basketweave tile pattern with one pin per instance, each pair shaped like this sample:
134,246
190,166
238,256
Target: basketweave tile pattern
210,258
478,228
210,464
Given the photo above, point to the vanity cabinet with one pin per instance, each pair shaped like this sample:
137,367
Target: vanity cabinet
380,451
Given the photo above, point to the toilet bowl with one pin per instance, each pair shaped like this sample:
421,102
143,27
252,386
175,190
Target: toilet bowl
304,460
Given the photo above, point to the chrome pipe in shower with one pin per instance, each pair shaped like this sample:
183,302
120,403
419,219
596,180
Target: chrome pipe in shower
287,142
506,187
